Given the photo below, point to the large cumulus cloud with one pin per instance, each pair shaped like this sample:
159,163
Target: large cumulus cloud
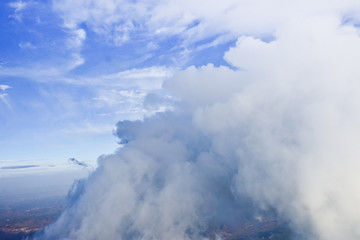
280,129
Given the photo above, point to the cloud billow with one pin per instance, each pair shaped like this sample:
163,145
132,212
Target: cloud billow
281,132
154,187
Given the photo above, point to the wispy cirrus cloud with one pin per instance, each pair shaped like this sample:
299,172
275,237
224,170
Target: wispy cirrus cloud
127,20
4,96
27,45
19,7
88,129
4,87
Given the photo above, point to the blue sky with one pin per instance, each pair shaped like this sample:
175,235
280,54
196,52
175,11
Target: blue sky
66,81
70,70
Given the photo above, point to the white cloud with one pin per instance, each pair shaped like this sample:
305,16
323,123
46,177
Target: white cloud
90,128
107,18
283,130
27,45
115,18
3,97
75,61
144,79
151,72
4,87
18,6
123,93
119,95
124,104
78,35
293,124
74,44
128,104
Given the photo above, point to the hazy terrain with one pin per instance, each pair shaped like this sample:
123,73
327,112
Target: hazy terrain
24,215
30,200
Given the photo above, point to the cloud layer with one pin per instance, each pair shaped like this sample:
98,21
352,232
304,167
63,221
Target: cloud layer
279,130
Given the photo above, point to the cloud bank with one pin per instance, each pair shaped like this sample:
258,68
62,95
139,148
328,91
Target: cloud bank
280,130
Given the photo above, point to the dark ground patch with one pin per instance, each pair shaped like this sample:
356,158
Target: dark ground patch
24,217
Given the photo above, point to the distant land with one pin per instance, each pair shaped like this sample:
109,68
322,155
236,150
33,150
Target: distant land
22,213
24,216
33,195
